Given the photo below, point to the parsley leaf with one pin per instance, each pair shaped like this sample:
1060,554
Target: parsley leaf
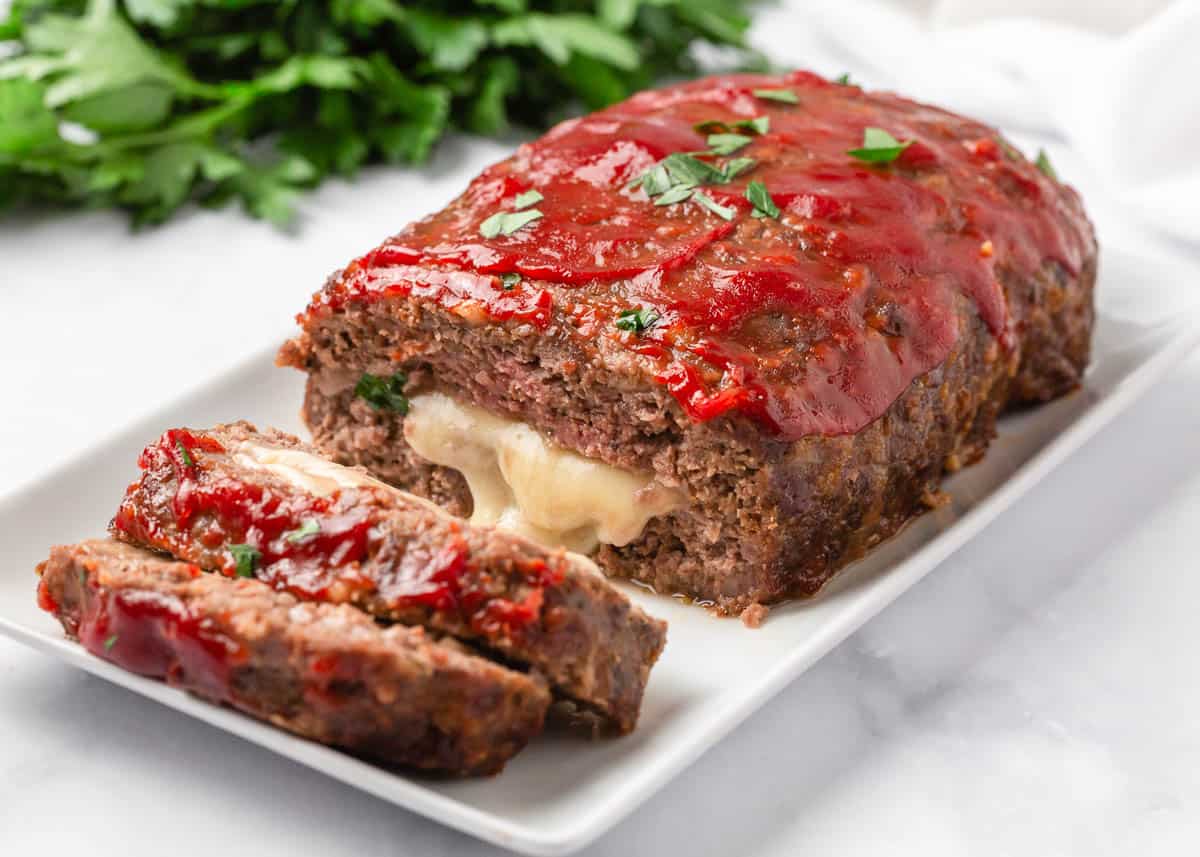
735,167
184,455
654,181
509,281
508,222
637,320
383,394
843,79
172,102
785,96
530,197
689,170
246,558
110,642
727,144
307,529
757,125
679,193
879,147
760,198
722,211
1044,165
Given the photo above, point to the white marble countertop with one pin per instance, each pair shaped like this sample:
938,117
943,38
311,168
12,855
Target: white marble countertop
1033,696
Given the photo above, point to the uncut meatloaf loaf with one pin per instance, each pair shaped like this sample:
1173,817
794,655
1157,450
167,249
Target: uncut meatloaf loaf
263,504
325,672
790,304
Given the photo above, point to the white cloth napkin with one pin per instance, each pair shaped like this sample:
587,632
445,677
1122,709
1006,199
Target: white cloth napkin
1119,82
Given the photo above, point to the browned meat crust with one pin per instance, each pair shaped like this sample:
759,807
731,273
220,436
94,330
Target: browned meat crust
767,519
326,672
547,609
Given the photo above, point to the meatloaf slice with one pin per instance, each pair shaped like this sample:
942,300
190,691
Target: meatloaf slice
326,672
799,337
264,504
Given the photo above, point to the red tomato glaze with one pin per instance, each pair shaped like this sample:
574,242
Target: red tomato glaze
313,546
157,635
813,324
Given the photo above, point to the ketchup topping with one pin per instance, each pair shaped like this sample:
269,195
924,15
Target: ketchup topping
313,546
812,324
156,634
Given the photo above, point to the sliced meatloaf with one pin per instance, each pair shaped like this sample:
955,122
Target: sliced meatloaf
326,672
263,504
789,304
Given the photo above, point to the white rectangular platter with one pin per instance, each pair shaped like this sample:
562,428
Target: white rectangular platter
562,793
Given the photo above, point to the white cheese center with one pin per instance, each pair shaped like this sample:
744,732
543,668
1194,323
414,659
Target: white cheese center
306,471
522,484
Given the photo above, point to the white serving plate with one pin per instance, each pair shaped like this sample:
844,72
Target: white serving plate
561,793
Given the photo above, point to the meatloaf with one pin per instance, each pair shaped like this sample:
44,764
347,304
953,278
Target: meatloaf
785,304
326,672
263,504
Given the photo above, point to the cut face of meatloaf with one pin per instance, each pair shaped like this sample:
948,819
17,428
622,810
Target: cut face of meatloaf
774,349
263,504
326,672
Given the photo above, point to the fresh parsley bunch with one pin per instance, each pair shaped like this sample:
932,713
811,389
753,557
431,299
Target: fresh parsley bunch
147,104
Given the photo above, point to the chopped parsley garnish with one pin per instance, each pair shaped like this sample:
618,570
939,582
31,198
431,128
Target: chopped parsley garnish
724,212
844,79
509,281
246,557
306,529
727,144
383,394
879,147
1043,164
184,454
687,169
757,125
637,320
736,167
676,177
760,198
1010,151
507,222
654,181
530,197
110,642
679,193
785,96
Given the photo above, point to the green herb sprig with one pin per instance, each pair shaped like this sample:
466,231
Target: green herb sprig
637,320
383,394
677,177
757,125
246,558
727,144
879,147
508,222
167,102
1044,166
760,198
307,529
783,96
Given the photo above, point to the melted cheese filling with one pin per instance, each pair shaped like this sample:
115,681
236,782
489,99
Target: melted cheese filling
306,471
522,484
